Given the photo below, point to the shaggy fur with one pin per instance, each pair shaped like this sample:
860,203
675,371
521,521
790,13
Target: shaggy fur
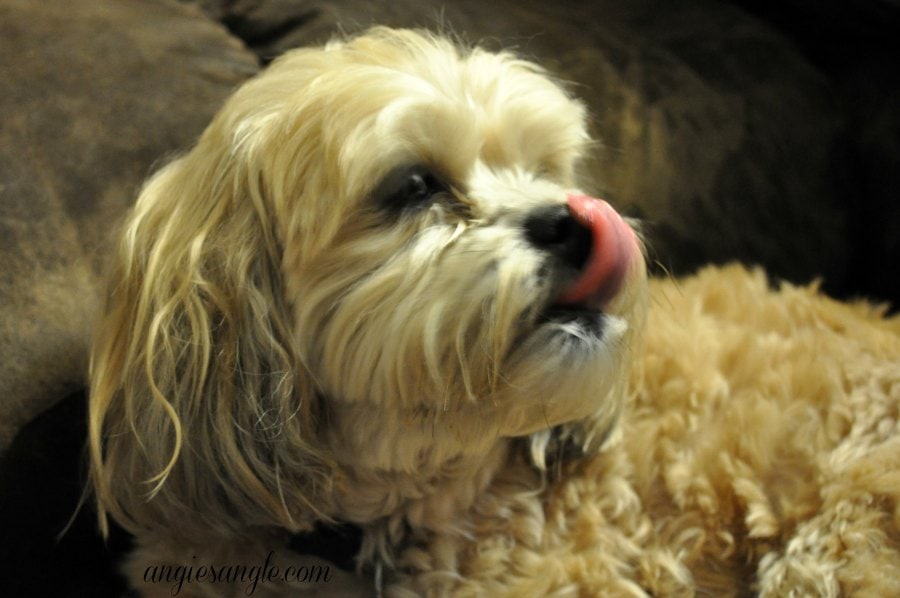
296,335
368,280
760,455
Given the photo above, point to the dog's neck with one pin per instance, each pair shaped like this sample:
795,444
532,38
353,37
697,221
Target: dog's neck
421,467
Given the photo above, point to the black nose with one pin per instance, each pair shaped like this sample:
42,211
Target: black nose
554,229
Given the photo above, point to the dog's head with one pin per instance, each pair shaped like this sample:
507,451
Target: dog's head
376,256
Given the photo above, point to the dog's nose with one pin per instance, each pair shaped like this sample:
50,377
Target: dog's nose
590,236
555,229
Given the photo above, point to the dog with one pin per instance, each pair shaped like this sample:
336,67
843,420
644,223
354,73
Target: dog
372,284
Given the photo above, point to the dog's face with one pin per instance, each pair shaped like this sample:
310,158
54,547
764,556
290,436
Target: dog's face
441,279
432,235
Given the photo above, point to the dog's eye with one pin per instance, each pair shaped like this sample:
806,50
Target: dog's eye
409,187
418,188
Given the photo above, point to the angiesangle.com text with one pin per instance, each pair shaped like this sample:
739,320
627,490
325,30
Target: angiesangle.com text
249,577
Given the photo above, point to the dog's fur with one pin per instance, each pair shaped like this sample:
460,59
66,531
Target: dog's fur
759,455
285,344
289,340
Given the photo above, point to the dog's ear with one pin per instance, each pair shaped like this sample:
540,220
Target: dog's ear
202,413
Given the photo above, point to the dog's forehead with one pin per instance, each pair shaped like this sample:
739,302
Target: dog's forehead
378,101
478,107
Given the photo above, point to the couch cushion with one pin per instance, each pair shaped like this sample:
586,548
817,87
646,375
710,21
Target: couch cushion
94,94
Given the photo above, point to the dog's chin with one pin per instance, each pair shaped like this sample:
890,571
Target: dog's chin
567,369
572,365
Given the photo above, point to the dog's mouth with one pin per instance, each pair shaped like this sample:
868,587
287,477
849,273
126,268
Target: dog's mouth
611,247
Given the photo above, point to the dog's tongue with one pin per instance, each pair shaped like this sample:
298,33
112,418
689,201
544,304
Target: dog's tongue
613,247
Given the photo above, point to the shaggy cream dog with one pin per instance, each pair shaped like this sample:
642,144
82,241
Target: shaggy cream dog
371,276
373,293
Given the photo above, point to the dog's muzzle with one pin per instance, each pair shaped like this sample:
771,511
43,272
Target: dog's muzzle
590,239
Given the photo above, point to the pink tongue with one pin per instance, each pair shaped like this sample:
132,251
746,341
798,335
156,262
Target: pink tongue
613,247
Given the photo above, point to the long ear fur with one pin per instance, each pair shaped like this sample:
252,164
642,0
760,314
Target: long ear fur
200,414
